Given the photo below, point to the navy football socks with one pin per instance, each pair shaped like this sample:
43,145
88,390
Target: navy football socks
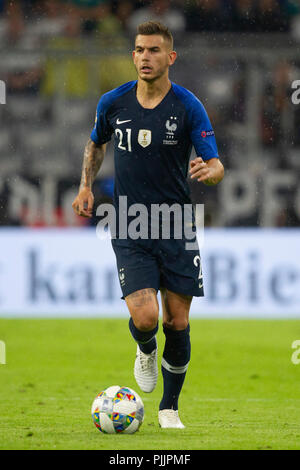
176,356
145,339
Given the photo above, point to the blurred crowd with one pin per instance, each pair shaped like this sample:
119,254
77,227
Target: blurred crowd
53,17
59,56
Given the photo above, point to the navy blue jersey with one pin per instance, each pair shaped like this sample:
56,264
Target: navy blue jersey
152,147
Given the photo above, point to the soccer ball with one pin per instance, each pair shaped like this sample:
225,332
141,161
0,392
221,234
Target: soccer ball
118,410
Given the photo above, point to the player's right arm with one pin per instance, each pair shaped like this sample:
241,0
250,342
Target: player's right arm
92,161
93,157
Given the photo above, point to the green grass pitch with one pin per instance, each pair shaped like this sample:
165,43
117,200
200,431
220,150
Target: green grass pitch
241,391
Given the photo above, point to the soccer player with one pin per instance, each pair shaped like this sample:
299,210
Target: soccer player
155,123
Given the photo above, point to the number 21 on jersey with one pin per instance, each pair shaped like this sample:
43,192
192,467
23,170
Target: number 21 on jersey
123,140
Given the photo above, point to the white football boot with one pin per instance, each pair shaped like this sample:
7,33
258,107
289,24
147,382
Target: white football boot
169,419
146,370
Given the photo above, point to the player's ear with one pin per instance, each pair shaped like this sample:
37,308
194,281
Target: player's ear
172,57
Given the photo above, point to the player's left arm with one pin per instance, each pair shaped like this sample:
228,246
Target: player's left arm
209,172
206,167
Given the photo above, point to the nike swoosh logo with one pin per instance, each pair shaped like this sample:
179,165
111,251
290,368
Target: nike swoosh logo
122,122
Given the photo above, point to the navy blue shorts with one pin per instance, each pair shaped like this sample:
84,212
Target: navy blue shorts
158,263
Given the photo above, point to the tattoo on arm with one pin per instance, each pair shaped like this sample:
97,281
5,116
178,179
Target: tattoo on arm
92,161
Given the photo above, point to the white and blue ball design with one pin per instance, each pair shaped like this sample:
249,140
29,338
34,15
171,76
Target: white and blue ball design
118,410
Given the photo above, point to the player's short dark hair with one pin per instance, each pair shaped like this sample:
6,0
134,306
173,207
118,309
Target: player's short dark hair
155,27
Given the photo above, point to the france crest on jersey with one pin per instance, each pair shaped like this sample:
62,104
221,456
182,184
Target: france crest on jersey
152,147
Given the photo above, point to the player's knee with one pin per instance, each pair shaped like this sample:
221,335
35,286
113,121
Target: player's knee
176,324
146,320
